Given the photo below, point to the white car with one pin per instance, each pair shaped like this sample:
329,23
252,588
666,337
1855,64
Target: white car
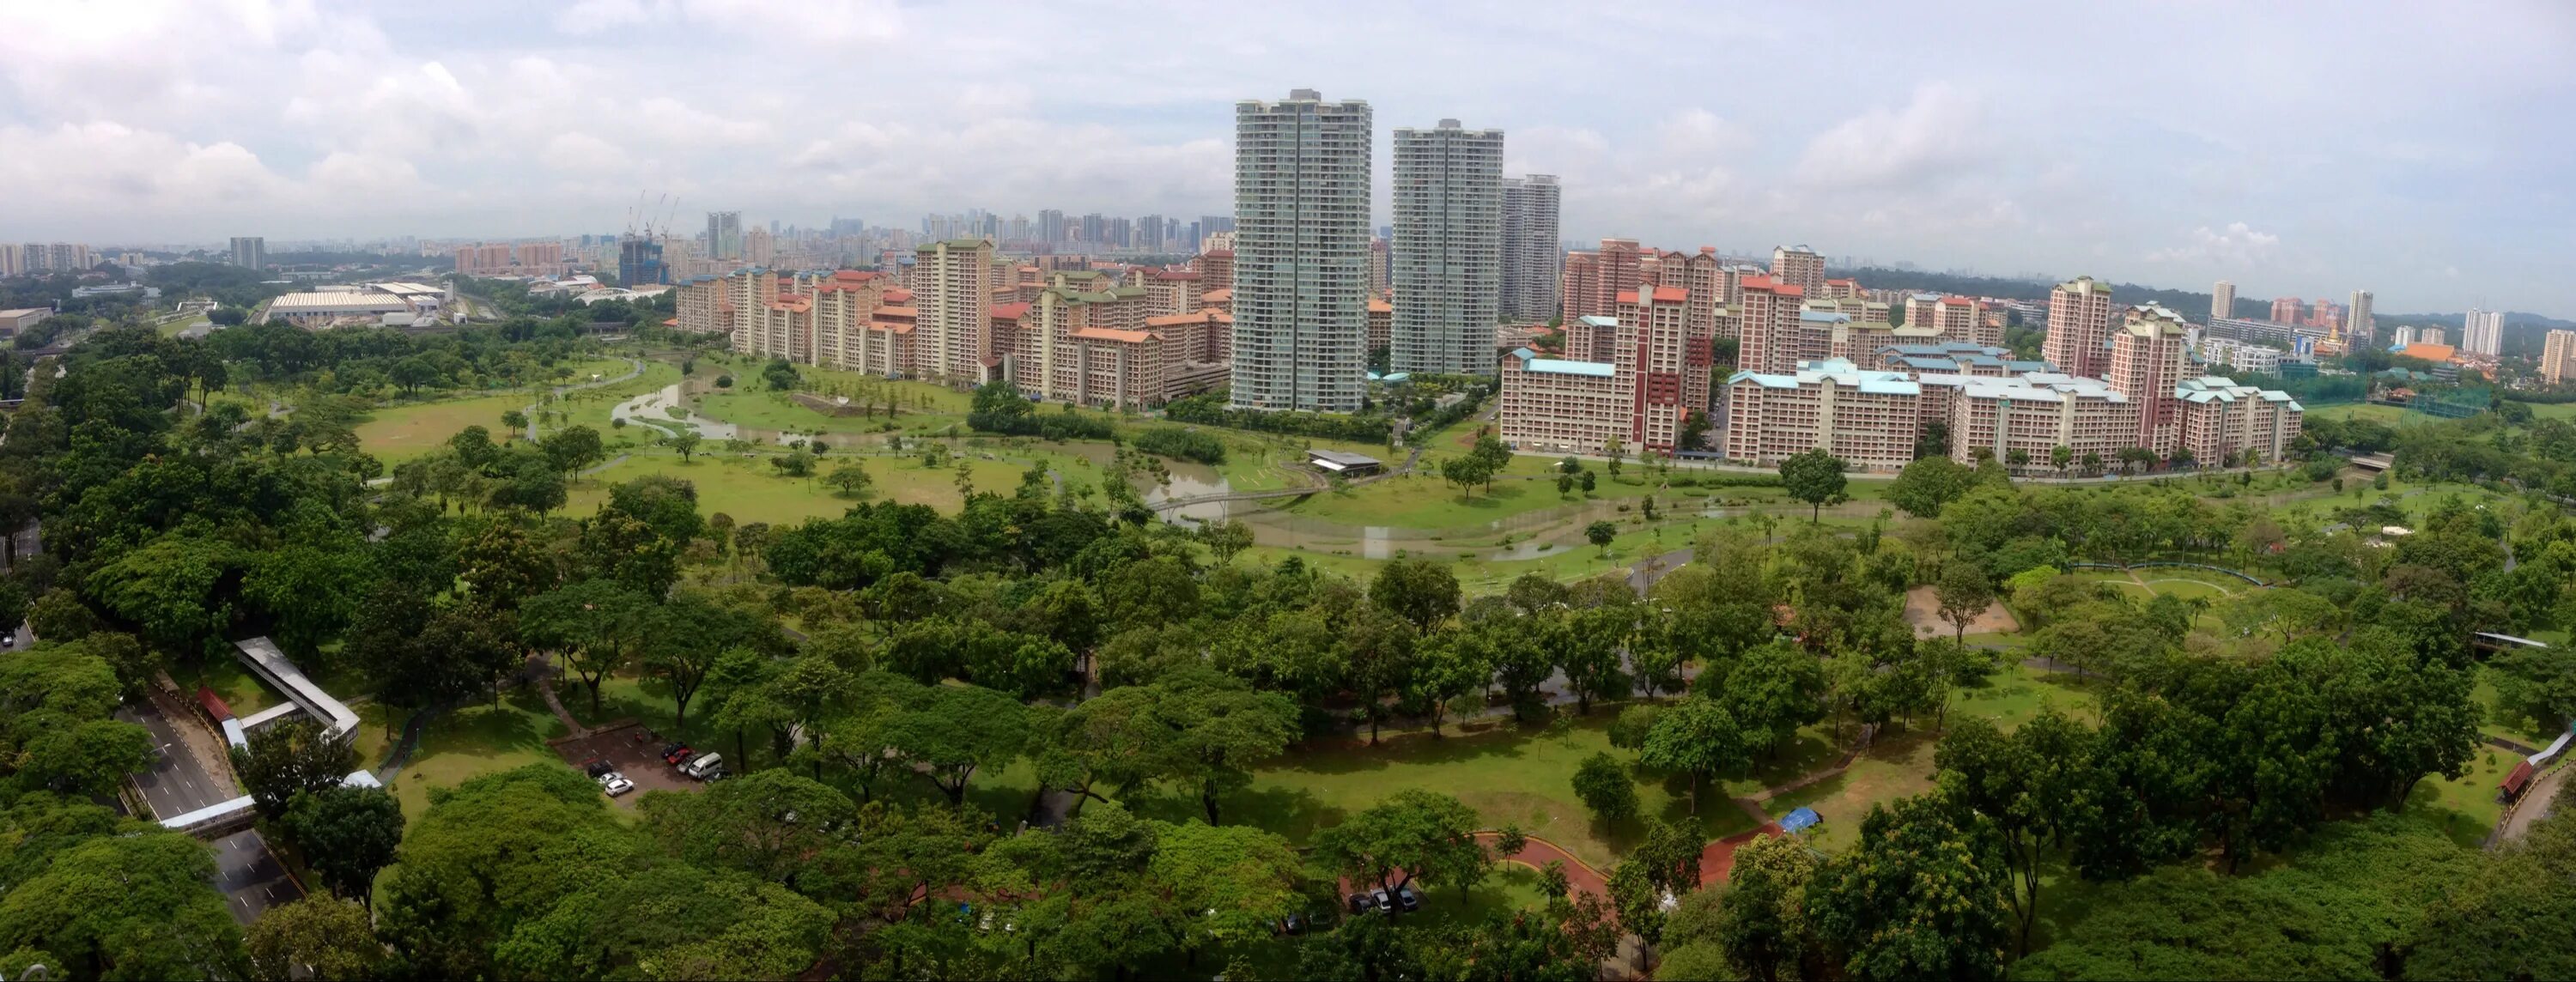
615,784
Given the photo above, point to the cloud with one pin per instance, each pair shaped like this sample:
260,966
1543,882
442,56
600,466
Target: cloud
1940,133
809,23
2236,245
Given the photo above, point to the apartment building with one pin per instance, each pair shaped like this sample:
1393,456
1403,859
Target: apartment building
1869,419
1594,279
1936,356
1533,255
1167,291
1381,325
2359,322
1669,361
1769,325
2034,414
2220,421
1800,267
954,299
1301,212
1447,254
2238,355
2557,356
2222,300
1563,405
2079,326
2146,364
2482,332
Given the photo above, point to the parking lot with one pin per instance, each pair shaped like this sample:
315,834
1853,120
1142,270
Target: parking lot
635,752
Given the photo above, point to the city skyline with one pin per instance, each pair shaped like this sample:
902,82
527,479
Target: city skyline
478,121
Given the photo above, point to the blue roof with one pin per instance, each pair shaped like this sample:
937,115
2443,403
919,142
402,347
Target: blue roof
1800,820
1560,366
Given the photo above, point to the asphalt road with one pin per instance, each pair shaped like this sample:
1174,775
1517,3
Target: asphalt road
177,784
250,877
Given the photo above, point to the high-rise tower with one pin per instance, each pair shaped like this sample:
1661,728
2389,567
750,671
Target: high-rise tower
1533,256
1446,262
1301,224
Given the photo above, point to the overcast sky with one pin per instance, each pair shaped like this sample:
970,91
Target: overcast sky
2422,151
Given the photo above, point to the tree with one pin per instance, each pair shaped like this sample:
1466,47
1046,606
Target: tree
1600,533
771,824
1762,927
320,936
686,442
1964,593
293,756
1448,667
1928,484
1466,471
1923,895
2059,456
1377,649
1770,692
573,448
1564,485
1587,480
1413,835
848,480
2027,785
950,731
1666,864
514,421
1226,538
595,626
1421,591
1220,729
137,906
1603,785
1240,880
1695,736
670,922
1815,477
346,834
1586,645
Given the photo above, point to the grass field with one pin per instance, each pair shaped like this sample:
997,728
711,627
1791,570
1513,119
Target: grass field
405,430
751,490
478,739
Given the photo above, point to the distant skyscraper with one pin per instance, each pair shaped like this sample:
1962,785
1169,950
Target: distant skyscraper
2222,300
1800,267
1149,233
250,252
2482,332
2285,310
1381,266
2079,324
1533,256
1446,260
2558,356
2357,321
639,262
2146,361
1051,226
724,235
954,306
1301,223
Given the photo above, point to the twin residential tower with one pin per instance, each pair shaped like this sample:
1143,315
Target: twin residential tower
1302,244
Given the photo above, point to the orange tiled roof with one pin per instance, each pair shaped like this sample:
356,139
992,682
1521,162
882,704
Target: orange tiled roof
898,295
1193,317
1010,311
1671,294
2430,352
1111,334
1381,307
1220,295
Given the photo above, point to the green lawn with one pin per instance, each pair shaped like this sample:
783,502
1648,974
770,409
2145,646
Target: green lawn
751,490
1507,774
239,689
399,433
478,739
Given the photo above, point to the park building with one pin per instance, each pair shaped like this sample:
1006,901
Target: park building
1869,419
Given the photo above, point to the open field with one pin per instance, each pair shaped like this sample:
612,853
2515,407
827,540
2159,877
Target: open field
477,739
399,433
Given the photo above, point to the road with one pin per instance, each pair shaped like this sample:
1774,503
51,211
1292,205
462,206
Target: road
2536,802
249,875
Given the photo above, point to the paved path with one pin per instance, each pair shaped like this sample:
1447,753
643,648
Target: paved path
1580,877
636,367
2536,802
546,688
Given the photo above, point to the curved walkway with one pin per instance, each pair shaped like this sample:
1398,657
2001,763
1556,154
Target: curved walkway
1536,853
635,367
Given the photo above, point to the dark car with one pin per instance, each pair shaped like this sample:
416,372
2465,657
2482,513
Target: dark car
678,753
600,768
1362,903
1294,924
1407,899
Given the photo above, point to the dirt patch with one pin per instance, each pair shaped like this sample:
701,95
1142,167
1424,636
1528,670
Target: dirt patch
1923,610
634,751
826,406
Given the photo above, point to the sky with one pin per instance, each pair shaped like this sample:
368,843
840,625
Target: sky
2422,152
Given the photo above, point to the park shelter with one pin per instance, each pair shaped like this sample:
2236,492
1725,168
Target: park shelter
1347,464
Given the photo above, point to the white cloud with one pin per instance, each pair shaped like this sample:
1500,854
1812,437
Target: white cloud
1940,133
2235,245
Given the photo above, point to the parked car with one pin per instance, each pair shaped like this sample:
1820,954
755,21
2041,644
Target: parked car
616,784
1293,924
1385,904
601,769
677,753
1406,898
702,767
1361,904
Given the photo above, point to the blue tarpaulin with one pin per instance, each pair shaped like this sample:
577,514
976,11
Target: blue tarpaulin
1800,820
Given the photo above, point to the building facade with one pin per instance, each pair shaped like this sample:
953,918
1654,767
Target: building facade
1300,290
250,252
1533,255
2482,333
2146,364
1869,419
954,300
2359,323
1593,280
1800,267
2222,300
2557,356
724,235
2079,324
1446,261
1768,325
1567,405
